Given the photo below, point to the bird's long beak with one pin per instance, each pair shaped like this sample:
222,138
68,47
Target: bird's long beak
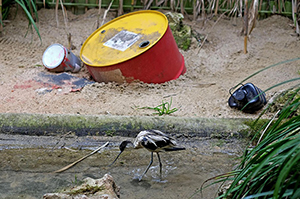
115,159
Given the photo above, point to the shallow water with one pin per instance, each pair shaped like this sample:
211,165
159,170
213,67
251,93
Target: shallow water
27,172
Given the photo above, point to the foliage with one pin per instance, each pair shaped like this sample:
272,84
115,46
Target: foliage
110,133
87,189
255,126
182,37
270,169
285,98
162,109
5,8
28,7
76,181
182,33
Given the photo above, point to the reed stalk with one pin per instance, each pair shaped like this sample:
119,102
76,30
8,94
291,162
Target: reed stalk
56,12
25,5
99,13
182,6
86,8
245,26
233,6
294,15
1,23
120,9
64,11
106,11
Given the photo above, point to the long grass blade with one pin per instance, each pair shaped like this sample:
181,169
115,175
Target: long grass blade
266,68
31,20
1,24
270,169
274,86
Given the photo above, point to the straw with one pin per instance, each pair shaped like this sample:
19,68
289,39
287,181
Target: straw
77,161
1,24
106,11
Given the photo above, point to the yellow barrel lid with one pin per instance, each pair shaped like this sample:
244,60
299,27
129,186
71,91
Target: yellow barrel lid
124,38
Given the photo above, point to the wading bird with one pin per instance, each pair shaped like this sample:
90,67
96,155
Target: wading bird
153,141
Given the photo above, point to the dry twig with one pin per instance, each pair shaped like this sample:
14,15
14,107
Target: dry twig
64,11
120,9
294,15
77,161
1,27
249,20
246,26
56,12
99,13
211,30
106,11
274,116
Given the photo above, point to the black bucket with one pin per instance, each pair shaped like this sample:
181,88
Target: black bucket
249,95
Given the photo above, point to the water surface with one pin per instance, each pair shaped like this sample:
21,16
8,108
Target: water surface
28,162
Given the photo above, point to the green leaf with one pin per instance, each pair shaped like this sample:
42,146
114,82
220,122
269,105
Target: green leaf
31,20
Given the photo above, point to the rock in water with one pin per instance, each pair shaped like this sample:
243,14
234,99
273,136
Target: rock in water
91,189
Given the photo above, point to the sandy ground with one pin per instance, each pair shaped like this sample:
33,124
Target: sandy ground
202,91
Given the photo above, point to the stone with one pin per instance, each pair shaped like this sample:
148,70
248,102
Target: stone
103,188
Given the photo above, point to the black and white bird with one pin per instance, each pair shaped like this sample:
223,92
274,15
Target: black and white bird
153,141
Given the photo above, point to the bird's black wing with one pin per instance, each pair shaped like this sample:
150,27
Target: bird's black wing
156,141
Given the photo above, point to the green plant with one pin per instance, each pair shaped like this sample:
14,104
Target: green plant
162,109
84,188
76,181
29,8
110,133
270,168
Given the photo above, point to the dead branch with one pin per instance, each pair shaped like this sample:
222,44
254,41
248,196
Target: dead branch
120,9
56,12
77,161
1,26
148,4
99,13
106,11
246,26
211,31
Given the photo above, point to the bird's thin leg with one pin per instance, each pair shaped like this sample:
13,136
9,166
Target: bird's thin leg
147,167
160,164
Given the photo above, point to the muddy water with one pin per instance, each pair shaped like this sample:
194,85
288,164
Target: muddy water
28,162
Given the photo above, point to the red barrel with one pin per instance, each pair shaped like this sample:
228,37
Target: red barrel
136,46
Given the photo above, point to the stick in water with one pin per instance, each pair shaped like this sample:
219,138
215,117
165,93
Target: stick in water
70,165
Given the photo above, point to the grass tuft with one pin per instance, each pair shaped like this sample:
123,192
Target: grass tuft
162,109
269,168
29,7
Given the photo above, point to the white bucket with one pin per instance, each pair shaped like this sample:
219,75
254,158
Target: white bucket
57,58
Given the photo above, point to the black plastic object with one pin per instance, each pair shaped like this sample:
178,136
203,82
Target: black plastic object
249,95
